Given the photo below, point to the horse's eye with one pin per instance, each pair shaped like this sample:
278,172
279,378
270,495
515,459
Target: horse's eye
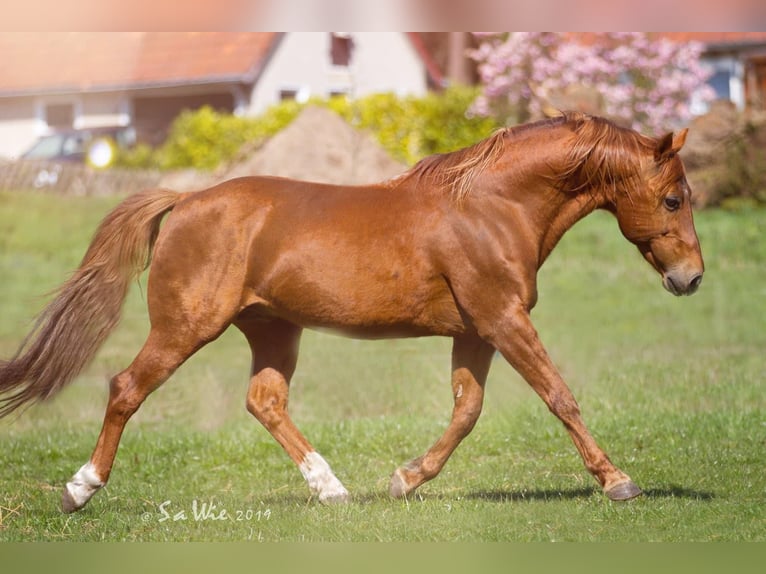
672,203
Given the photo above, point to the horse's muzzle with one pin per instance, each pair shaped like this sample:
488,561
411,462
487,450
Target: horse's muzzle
679,285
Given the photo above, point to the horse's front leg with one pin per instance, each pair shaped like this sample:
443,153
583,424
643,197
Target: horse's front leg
471,358
516,338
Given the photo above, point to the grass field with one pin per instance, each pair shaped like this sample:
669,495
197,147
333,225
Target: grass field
672,388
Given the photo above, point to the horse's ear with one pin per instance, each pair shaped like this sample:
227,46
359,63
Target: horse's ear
669,145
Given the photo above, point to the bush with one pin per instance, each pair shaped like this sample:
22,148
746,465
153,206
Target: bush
414,127
725,157
408,128
141,156
204,138
746,158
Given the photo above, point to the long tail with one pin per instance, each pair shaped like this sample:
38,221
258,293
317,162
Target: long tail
88,306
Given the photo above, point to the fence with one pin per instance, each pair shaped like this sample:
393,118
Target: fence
73,179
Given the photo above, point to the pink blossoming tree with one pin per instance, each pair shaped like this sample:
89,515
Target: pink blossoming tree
643,83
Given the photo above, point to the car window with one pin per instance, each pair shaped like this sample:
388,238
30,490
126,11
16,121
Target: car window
74,144
125,137
48,146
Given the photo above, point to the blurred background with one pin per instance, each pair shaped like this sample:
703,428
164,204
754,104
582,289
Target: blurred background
105,113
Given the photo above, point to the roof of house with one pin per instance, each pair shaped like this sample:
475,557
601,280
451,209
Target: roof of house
714,39
61,62
39,63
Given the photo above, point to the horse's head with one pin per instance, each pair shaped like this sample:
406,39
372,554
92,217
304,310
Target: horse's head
656,216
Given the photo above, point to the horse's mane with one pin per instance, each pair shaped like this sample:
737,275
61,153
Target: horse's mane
600,155
455,171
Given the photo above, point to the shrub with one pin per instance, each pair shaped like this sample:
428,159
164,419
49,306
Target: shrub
205,138
413,127
725,157
408,128
141,156
743,180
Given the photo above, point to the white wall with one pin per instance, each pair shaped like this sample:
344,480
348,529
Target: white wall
109,109
380,62
17,126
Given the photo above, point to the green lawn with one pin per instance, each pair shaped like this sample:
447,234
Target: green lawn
672,388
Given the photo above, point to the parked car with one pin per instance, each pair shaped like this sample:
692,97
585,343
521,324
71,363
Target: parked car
96,147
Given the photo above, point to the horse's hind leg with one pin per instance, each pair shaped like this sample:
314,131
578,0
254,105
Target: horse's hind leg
274,345
156,361
471,358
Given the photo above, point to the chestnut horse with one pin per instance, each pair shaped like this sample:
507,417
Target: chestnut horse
451,248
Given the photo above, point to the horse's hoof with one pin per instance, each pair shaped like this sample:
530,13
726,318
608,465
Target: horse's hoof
398,487
68,503
623,491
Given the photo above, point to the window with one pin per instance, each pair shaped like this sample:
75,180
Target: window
727,81
339,92
340,49
300,94
720,81
59,116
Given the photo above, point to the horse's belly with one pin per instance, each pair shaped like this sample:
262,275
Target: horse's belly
363,307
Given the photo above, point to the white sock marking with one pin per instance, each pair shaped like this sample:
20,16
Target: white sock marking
84,484
321,479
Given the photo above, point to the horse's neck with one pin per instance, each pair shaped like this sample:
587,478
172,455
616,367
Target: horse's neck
531,184
571,211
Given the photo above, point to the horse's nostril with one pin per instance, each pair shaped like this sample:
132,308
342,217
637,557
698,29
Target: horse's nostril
695,283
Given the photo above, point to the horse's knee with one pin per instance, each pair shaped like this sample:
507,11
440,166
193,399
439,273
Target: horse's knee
564,406
467,409
465,419
265,409
468,396
472,411
267,397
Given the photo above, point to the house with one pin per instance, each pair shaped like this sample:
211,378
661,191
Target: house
738,62
53,81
